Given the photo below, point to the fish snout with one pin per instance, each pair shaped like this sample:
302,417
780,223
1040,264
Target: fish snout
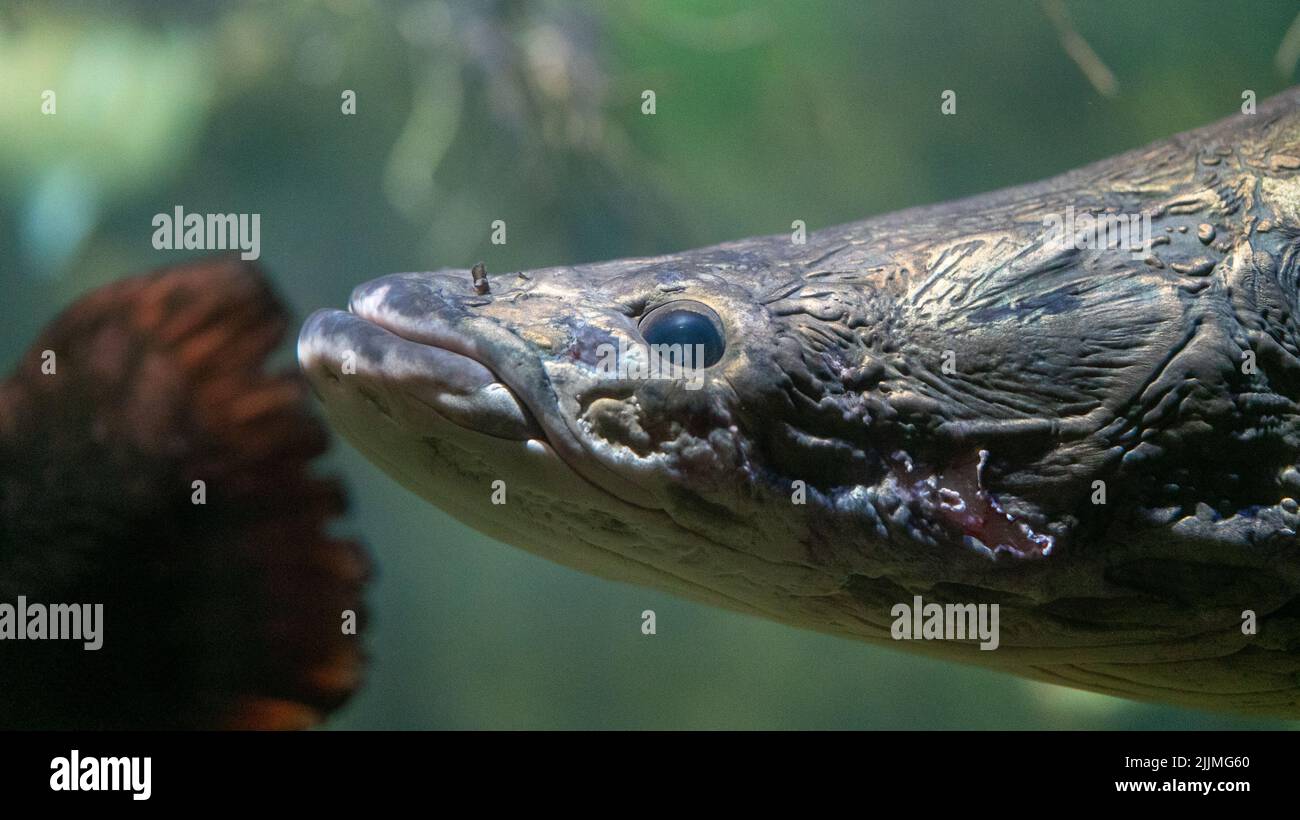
351,361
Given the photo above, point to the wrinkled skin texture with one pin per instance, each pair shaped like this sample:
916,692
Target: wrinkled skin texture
955,390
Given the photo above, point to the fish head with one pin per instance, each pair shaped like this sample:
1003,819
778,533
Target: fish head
617,413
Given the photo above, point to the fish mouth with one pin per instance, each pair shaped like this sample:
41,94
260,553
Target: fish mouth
421,356
337,344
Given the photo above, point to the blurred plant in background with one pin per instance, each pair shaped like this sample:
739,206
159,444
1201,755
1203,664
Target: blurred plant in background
529,111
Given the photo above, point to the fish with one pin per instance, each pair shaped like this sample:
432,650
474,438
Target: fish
157,491
1070,403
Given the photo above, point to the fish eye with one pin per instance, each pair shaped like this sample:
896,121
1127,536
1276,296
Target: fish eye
686,323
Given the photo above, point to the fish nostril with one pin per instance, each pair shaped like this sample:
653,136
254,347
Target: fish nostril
479,275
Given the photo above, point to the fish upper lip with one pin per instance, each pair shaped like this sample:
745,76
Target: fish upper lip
453,356
489,345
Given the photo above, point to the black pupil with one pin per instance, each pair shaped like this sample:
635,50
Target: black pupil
685,327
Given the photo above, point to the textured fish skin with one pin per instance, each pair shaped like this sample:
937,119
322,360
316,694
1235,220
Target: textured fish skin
1100,440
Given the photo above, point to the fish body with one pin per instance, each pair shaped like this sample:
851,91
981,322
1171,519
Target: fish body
985,402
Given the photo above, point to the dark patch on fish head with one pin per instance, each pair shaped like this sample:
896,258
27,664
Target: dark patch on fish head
585,341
